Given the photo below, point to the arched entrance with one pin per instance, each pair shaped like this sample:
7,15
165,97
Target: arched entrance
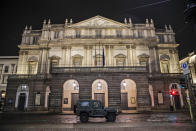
22,96
177,99
70,95
128,95
100,91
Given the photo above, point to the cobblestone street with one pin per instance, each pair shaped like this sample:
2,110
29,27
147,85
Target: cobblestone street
155,121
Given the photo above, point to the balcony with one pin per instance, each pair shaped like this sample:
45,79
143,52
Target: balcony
99,69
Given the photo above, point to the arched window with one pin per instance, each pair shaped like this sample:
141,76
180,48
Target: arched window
164,63
120,60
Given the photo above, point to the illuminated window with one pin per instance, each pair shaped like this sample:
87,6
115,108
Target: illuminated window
165,66
32,67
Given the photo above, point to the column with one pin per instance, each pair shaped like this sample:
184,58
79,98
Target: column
19,63
24,63
85,55
107,55
40,61
90,56
128,55
69,56
112,57
64,56
134,55
155,56
43,62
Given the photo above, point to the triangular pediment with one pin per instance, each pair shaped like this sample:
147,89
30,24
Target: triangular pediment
99,21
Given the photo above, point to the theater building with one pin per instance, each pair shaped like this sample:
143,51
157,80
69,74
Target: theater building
126,65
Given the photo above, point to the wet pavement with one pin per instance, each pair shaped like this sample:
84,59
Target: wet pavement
136,122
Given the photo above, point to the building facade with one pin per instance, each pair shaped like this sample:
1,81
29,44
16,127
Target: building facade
125,65
8,66
191,60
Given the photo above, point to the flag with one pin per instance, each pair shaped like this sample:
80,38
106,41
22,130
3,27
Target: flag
103,58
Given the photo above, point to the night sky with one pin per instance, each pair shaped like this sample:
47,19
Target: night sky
15,15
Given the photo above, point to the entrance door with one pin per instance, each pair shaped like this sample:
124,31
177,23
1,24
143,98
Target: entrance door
21,102
101,97
177,101
124,101
74,99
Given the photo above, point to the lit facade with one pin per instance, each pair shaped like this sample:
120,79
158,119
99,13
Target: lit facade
8,66
191,60
125,65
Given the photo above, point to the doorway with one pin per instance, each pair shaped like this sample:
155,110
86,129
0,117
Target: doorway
124,101
21,102
100,97
74,99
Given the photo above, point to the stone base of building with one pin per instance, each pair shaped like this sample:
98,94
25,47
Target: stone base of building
47,93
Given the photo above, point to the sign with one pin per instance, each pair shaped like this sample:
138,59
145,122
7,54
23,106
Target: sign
185,68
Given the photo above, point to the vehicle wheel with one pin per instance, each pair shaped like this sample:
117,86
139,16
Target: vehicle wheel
84,117
111,117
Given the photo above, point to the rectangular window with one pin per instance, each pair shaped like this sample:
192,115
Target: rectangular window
98,34
84,104
140,33
6,70
56,35
35,40
12,69
5,79
37,99
160,98
32,67
161,39
118,34
1,68
78,34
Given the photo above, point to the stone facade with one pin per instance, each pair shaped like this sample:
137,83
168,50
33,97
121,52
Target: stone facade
191,60
8,66
125,65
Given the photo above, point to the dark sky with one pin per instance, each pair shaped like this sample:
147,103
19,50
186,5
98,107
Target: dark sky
16,14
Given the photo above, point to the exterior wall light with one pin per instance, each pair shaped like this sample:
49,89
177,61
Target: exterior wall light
99,86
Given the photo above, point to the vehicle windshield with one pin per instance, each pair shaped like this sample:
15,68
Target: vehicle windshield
83,104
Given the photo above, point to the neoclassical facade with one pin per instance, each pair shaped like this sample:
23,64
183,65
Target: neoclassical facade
125,65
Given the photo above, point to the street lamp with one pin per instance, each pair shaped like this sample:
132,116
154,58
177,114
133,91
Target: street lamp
124,83
99,85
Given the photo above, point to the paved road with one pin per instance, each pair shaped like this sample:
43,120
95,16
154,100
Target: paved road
135,122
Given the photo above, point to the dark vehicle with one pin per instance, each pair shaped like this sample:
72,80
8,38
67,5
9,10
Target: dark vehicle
94,108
